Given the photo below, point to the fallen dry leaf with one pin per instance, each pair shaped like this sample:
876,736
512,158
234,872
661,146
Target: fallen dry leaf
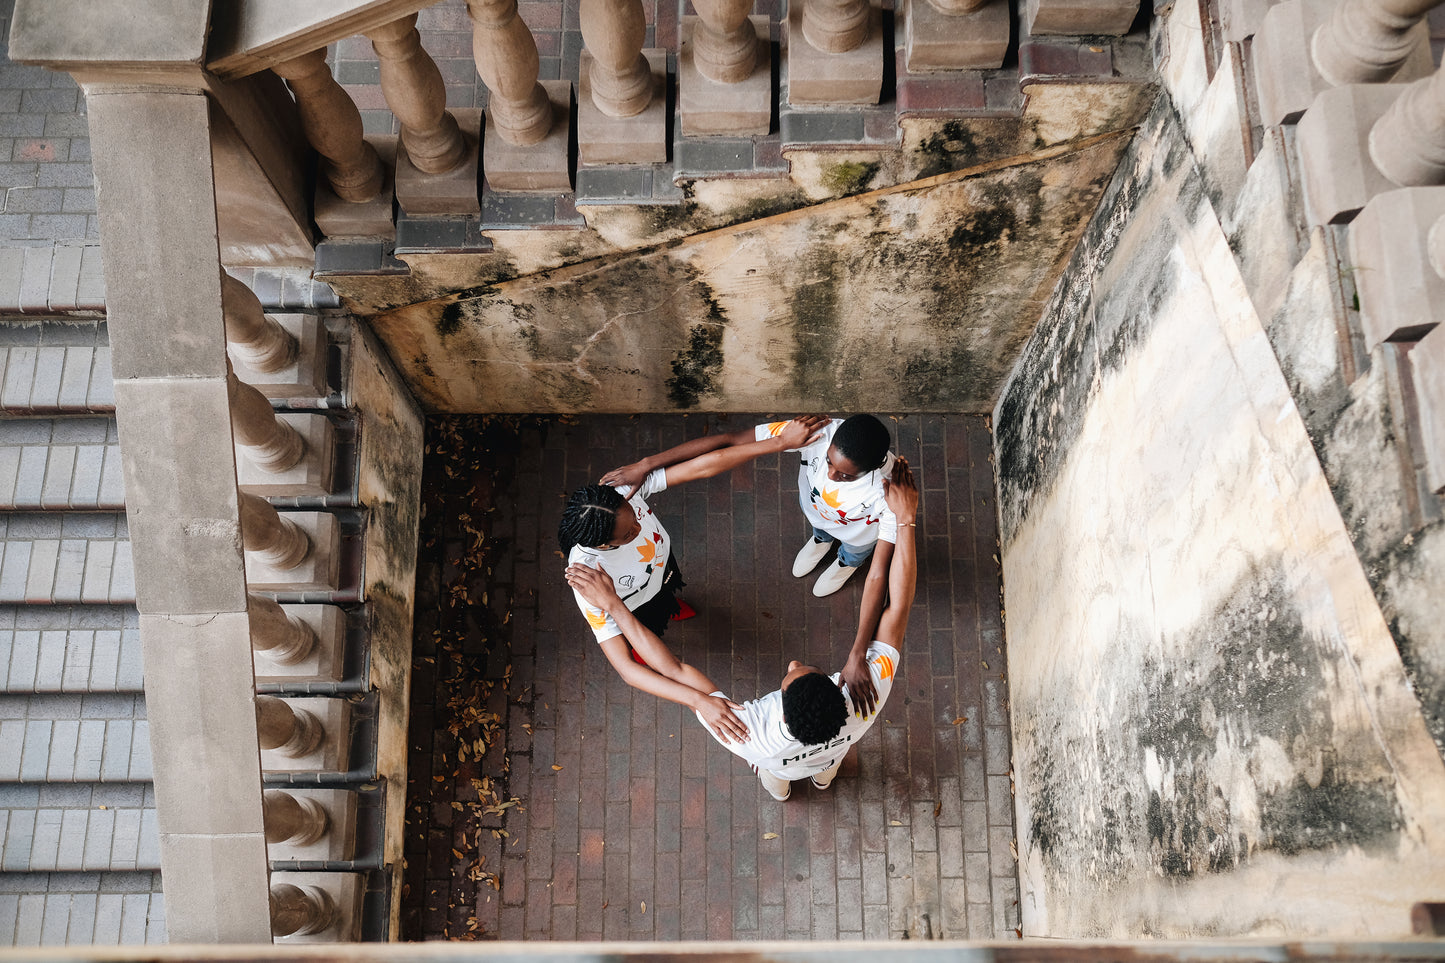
556,768
770,835
894,822
960,720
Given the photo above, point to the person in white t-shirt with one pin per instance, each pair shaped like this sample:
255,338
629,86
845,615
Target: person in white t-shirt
804,729
601,530
840,490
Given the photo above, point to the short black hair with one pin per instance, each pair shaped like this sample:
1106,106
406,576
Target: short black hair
590,517
813,708
863,440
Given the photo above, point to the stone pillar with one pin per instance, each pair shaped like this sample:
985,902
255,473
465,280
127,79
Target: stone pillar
1407,144
333,126
835,52
414,91
294,819
835,26
291,732
621,113
525,144
956,34
271,444
260,342
299,911
286,640
506,57
1367,41
276,540
724,43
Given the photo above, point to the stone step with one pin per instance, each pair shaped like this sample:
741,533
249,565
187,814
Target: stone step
54,367
68,738
60,464
81,909
84,827
70,558
71,649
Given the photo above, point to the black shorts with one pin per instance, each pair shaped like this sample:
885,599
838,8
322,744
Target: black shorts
657,612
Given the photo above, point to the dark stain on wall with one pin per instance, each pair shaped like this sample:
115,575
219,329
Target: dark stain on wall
694,368
952,148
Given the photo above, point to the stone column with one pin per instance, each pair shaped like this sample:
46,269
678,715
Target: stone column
258,341
291,732
293,819
1367,41
333,126
725,45
286,640
1436,246
298,910
414,91
1407,144
835,26
506,56
835,52
620,77
276,540
956,34
270,443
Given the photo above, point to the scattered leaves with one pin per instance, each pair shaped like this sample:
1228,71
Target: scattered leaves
770,835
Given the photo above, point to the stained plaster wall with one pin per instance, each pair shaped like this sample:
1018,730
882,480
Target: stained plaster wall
909,276
1213,733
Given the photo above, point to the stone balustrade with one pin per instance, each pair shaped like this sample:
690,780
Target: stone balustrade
301,910
506,56
270,443
333,127
293,819
1407,143
272,538
285,640
257,340
1367,41
414,91
291,732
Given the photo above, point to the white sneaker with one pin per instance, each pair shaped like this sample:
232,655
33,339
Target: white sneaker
784,797
833,578
809,556
819,785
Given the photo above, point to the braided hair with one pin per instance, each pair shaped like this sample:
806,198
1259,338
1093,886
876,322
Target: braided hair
864,441
813,708
590,517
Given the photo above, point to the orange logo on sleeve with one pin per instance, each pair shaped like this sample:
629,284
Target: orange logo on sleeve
885,667
775,428
595,618
646,552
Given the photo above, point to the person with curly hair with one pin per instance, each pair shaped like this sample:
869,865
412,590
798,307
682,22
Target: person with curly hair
840,490
604,531
803,729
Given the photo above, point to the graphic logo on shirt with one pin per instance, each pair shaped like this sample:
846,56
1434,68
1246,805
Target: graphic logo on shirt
775,428
885,666
595,618
626,580
646,552
831,497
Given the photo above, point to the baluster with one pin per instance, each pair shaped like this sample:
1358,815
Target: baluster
300,910
1407,144
614,31
1367,41
414,91
276,540
333,126
1436,245
271,444
286,640
725,45
835,26
506,57
257,340
293,819
291,732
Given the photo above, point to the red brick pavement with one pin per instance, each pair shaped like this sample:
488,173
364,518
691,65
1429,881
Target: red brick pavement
630,823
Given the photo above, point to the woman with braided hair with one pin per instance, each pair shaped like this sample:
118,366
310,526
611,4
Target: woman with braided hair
620,536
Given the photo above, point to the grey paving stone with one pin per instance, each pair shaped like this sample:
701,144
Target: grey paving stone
69,570
107,919
79,647
57,705
612,184
119,795
125,842
75,379
45,391
88,430
9,908
90,749
42,569
7,643
11,748
842,127
122,582
149,853
101,705
517,210
36,759
102,388
115,764
62,752
19,840
81,930
96,525
50,666
29,920
19,374
140,751
68,176
14,567
24,657
156,918
112,484
713,155
85,480
99,558
59,471
71,854
129,670
46,843
56,795
104,660
9,471
33,200
57,920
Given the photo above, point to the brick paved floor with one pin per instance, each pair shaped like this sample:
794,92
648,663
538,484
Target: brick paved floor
629,822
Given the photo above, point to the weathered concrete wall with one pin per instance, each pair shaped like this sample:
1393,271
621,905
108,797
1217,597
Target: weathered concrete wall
1213,733
915,297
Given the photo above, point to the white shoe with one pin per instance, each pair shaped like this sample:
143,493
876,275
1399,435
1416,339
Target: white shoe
833,578
784,797
819,785
809,556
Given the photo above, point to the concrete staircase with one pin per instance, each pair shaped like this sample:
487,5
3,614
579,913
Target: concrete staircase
79,858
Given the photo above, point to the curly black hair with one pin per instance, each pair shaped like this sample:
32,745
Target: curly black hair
813,708
863,440
590,517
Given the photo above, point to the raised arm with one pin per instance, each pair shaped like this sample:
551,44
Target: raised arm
664,675
697,456
901,493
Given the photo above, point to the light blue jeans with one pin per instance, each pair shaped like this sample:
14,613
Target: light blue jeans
851,557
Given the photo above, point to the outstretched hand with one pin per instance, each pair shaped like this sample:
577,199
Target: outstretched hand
859,680
594,585
802,431
901,492
717,714
626,479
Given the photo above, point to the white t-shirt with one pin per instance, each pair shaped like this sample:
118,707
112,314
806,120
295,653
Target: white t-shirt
772,747
637,567
853,512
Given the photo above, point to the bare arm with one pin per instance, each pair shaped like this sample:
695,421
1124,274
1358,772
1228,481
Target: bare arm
902,494
855,670
713,454
664,676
